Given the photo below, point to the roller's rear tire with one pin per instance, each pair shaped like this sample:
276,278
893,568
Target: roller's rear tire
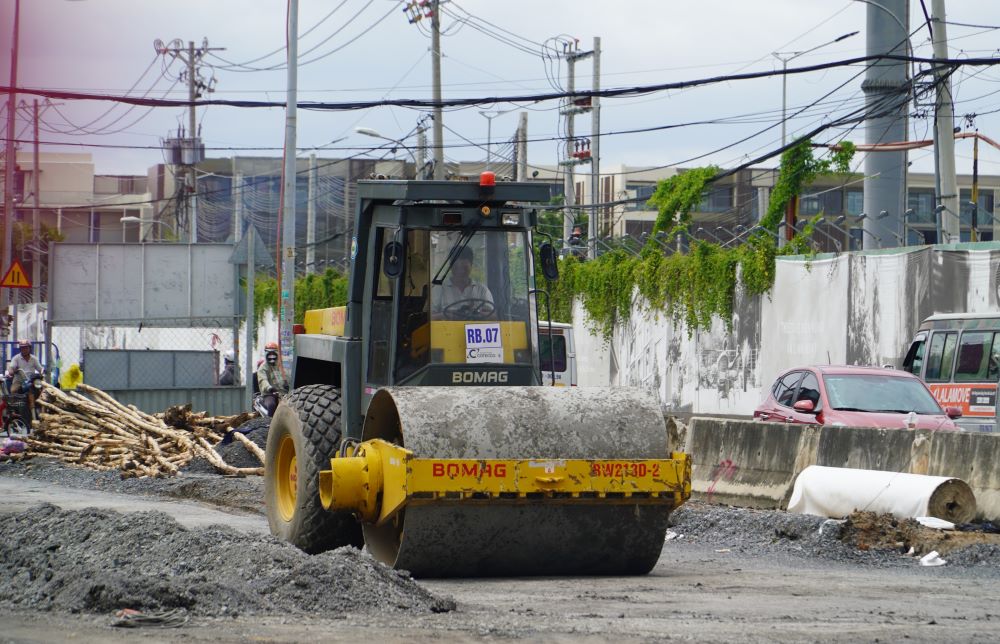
304,434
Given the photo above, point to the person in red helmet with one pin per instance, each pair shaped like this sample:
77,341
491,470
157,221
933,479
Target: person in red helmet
271,379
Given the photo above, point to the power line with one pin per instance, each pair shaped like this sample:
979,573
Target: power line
637,90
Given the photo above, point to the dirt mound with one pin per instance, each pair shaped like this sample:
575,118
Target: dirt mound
871,531
98,561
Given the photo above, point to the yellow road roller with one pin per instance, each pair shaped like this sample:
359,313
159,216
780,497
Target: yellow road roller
419,426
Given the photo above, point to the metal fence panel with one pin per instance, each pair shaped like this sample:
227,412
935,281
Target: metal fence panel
217,401
145,369
106,369
195,368
150,370
212,280
167,282
118,268
171,284
73,282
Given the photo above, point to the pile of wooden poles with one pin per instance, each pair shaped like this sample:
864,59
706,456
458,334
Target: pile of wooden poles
90,428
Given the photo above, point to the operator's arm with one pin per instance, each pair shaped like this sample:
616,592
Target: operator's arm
263,383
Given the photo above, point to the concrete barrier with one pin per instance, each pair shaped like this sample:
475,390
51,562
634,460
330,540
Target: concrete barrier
755,464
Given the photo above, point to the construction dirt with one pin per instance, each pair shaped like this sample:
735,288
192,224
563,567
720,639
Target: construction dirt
99,560
725,574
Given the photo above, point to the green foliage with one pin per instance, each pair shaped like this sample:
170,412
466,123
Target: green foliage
698,286
317,291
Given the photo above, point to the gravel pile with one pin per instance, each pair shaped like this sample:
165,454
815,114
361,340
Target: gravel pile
240,493
99,561
233,452
774,532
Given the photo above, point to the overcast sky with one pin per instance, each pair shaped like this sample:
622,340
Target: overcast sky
367,50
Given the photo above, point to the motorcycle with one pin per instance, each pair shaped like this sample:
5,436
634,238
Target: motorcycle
15,417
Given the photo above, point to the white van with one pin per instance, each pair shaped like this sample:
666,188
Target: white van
563,354
958,356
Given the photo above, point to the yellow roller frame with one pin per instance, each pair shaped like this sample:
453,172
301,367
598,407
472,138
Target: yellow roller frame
380,478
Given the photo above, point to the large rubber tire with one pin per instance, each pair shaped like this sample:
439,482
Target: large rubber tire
305,433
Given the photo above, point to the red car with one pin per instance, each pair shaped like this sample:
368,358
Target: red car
854,397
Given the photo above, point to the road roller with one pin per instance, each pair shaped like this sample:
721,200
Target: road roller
419,426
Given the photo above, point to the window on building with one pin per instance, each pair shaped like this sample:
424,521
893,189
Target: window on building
829,202
985,203
642,194
921,202
718,199
855,200
636,227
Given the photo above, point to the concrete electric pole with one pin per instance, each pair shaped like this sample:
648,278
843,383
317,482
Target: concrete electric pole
595,155
436,80
187,149
576,154
944,134
287,261
887,88
10,161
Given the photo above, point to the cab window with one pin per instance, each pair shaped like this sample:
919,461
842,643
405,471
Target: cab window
551,355
914,360
941,356
974,352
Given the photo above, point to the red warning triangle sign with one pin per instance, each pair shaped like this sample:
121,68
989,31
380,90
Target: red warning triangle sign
15,277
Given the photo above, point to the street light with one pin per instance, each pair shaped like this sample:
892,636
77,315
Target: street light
132,219
784,57
489,115
367,131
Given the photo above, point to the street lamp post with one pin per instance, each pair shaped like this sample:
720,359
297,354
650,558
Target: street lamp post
489,115
785,57
367,131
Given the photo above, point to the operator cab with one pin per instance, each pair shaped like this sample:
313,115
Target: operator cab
451,294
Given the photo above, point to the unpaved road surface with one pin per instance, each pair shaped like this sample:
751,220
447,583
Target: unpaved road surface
729,575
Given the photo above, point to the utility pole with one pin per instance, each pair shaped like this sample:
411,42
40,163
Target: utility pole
311,218
10,161
188,149
436,80
237,204
421,155
595,158
36,175
576,152
287,214
944,130
569,179
886,82
522,147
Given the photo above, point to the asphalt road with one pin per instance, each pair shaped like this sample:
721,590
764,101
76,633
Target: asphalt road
696,592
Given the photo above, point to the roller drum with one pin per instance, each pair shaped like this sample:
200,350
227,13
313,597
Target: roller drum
541,537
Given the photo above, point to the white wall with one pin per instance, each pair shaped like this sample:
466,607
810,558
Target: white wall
853,308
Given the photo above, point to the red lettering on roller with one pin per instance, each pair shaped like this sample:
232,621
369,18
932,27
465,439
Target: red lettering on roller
437,469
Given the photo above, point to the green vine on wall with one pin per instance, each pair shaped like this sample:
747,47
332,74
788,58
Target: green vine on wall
698,286
315,291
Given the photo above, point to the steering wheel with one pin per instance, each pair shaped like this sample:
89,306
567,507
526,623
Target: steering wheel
472,308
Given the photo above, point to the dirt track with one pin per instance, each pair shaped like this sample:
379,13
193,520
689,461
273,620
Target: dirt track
735,575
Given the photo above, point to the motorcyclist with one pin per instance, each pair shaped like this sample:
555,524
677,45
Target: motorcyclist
271,379
228,375
22,368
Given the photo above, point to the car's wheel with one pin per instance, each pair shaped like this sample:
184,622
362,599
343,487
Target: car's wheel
305,433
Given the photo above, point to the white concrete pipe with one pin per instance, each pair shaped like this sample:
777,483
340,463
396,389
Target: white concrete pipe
836,492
